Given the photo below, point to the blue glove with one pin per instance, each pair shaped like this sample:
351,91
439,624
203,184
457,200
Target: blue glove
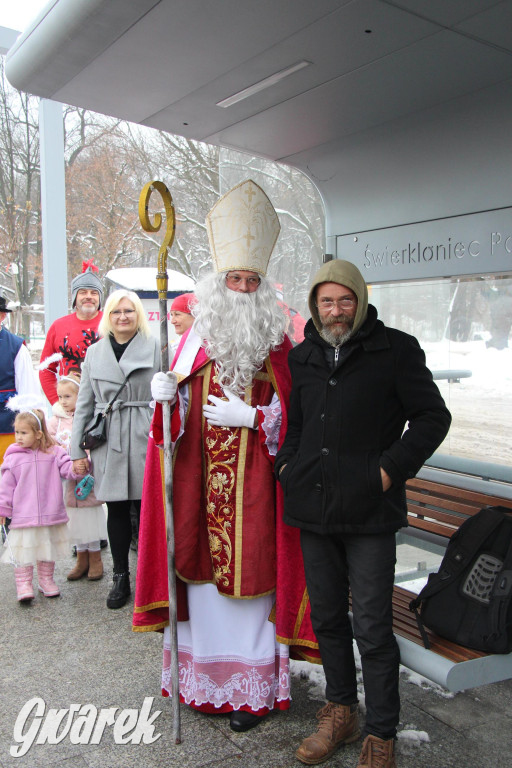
84,487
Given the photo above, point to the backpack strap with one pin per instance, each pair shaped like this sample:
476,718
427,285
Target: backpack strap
501,593
460,551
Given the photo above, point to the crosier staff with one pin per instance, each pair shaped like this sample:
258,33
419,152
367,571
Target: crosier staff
161,283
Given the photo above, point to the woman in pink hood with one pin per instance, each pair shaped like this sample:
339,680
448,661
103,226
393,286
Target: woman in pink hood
31,496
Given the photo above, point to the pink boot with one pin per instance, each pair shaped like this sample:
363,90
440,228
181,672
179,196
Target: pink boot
47,586
23,577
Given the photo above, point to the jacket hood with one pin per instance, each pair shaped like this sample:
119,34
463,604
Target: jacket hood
343,273
15,448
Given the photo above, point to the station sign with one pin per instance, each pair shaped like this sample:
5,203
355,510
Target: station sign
472,244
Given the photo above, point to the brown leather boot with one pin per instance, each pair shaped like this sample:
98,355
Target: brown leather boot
337,724
81,566
95,566
377,753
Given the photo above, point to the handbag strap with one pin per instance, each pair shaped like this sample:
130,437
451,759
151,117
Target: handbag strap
111,403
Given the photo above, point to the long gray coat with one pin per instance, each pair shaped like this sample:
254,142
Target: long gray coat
118,464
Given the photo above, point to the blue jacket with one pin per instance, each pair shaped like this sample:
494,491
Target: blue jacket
9,348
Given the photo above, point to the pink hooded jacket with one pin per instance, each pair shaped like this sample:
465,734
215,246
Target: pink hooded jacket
30,486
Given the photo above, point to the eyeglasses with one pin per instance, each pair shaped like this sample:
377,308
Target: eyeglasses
119,312
328,304
235,280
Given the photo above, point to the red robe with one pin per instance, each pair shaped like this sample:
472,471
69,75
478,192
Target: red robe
252,552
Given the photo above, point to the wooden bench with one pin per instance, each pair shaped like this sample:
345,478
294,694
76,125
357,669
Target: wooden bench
435,511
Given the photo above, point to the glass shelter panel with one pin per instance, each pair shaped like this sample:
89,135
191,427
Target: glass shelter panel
464,326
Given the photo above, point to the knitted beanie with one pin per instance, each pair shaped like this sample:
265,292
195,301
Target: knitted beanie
87,279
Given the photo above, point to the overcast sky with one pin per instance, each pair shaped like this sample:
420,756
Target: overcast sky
17,14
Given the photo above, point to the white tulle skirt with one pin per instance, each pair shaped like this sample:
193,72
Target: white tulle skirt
87,524
45,542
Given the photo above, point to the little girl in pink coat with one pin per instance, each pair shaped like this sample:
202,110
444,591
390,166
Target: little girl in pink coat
31,496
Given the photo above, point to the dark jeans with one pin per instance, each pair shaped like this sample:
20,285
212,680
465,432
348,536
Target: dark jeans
366,564
119,526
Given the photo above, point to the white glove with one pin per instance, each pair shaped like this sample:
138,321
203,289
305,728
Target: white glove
232,412
164,386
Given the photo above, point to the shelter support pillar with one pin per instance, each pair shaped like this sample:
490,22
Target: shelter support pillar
53,202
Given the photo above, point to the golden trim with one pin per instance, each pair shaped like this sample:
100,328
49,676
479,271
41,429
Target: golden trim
207,374
225,594
239,511
151,606
261,376
193,581
296,641
151,627
307,657
301,612
272,377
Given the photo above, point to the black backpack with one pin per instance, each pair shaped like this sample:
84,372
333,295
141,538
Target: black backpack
469,599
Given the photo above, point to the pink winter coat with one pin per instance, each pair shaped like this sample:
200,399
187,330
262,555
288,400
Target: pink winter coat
30,486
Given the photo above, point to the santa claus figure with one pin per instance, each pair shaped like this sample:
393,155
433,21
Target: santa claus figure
240,583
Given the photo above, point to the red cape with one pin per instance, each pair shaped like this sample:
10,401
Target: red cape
291,611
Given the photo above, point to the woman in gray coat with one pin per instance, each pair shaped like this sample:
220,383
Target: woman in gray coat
126,349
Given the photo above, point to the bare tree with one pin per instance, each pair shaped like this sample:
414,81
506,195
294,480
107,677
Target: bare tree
190,169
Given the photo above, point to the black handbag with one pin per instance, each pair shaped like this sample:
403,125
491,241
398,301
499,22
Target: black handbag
96,434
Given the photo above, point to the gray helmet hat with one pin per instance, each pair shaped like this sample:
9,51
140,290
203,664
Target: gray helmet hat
344,273
87,279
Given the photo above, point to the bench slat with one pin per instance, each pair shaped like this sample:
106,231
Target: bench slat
429,501
449,491
432,527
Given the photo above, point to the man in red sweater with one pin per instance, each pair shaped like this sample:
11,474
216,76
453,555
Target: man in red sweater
69,337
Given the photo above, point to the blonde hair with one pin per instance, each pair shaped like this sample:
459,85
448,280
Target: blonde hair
36,421
105,327
72,377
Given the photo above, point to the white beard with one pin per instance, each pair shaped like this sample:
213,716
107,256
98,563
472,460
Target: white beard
239,329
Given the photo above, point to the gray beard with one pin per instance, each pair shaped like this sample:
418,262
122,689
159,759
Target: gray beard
333,338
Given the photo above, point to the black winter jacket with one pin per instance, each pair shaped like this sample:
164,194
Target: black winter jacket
347,419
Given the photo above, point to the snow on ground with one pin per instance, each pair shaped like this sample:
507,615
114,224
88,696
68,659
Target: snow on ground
414,678
412,737
481,405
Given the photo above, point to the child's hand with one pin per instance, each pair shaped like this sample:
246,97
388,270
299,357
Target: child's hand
80,466
2,520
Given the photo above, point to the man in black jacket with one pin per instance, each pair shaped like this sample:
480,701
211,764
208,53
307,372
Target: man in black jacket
356,386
